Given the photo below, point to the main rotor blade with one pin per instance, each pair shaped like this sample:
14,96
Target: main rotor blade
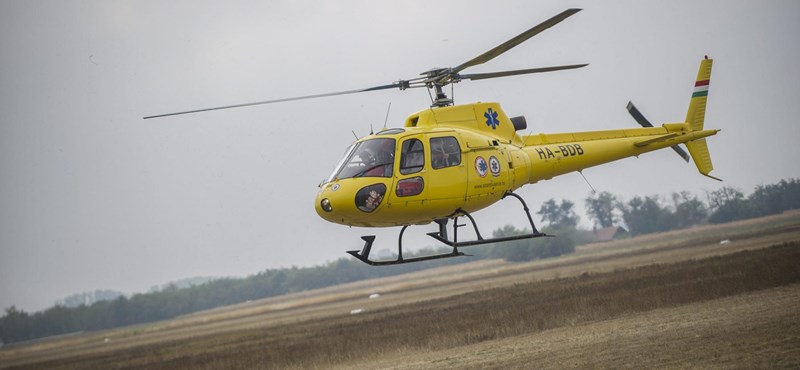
483,76
506,46
639,117
399,85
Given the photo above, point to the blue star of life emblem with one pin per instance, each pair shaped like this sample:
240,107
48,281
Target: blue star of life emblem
491,119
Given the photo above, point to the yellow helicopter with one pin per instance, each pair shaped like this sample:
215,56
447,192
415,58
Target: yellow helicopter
449,161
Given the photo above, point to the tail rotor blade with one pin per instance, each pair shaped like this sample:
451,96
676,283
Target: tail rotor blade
639,117
681,152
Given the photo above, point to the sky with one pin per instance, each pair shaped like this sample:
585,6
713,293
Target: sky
94,197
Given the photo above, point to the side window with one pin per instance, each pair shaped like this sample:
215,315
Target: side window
445,152
412,157
410,186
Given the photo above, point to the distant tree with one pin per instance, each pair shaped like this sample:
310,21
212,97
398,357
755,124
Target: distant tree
515,251
729,204
776,198
14,325
601,209
689,210
646,215
88,298
561,242
559,215
725,194
536,248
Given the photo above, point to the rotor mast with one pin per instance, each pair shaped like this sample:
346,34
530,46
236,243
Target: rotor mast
436,79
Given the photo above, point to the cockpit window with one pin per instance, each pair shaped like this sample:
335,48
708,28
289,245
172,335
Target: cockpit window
369,158
412,157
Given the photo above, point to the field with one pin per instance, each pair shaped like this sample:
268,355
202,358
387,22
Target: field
676,300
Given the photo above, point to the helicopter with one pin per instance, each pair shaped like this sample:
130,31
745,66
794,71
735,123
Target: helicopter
449,161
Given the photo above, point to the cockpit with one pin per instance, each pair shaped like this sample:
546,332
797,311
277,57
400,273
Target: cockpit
368,158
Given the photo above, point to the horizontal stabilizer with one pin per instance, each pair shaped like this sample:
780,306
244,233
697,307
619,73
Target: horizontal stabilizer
657,139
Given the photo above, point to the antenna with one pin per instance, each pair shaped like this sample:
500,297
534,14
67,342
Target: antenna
385,120
587,183
354,134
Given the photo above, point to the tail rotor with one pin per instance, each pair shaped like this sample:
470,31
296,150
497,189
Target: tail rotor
639,117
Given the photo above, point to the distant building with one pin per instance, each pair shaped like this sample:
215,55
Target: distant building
608,233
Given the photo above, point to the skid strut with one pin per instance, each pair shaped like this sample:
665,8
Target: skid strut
441,236
363,255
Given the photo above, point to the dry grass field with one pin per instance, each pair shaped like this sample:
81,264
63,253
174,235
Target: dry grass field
679,299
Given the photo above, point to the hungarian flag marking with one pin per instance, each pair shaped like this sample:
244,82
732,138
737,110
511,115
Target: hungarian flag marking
701,88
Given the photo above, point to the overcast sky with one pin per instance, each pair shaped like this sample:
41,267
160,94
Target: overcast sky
94,197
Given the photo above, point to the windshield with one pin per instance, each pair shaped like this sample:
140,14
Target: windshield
339,165
369,158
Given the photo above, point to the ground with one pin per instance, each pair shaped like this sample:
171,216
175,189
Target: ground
679,299
754,330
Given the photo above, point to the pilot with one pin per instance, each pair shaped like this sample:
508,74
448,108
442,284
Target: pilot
381,158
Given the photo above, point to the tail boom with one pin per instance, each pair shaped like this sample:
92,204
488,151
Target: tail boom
557,154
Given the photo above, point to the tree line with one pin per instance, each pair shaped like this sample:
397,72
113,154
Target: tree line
168,302
86,312
642,215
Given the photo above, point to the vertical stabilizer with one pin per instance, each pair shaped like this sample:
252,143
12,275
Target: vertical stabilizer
696,116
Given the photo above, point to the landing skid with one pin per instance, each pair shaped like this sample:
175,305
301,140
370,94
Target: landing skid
363,254
441,236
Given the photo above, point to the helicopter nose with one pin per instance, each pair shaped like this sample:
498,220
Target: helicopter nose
350,202
332,203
